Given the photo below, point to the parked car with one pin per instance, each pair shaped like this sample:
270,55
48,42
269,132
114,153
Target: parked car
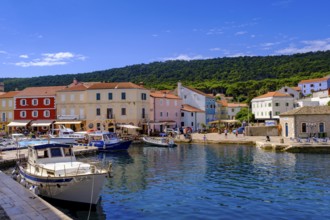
240,130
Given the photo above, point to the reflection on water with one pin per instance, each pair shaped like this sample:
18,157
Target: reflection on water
195,181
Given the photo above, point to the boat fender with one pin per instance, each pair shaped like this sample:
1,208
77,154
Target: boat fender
22,182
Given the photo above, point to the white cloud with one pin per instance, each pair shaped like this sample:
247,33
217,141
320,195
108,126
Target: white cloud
3,52
155,35
239,55
51,59
215,49
24,56
307,46
240,33
186,57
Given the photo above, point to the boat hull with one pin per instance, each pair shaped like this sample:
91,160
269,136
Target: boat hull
118,146
80,189
157,142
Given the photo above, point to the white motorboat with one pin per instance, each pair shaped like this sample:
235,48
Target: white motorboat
52,171
67,136
159,141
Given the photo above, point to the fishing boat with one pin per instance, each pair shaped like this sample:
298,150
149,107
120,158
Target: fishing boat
107,141
159,141
52,171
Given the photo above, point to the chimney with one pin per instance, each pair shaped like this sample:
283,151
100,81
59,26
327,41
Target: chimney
75,81
179,89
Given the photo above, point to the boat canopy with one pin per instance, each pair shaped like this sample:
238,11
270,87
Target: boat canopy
53,145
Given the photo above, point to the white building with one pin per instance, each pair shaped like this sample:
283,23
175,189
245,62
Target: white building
198,100
192,117
295,92
271,105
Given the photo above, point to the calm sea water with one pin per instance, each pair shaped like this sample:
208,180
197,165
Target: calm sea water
194,181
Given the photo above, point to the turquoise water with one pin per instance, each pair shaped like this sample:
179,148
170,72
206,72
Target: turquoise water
213,182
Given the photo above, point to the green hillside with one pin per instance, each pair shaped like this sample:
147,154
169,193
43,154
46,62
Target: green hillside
241,77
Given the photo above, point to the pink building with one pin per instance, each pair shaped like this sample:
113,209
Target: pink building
164,111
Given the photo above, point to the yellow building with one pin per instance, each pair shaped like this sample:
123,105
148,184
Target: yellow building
102,105
71,105
116,103
7,109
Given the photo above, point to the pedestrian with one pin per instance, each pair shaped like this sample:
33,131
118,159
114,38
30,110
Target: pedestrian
204,138
226,132
236,133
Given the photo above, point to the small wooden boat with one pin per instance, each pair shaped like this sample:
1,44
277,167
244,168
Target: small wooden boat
159,141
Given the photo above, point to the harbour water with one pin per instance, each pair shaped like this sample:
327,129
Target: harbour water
196,181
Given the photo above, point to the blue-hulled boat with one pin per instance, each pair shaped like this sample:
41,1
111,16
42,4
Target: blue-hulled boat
108,141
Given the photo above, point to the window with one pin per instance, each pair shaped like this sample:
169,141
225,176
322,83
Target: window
143,113
81,97
23,102
23,114
56,152
321,127
175,103
277,104
46,101
109,113
34,102
287,104
34,114
123,111
143,96
192,124
182,114
269,104
98,126
312,85
3,118
123,96
71,97
303,128
62,97
110,96
3,103
161,114
98,96
192,114
98,111
285,90
46,114
167,102
10,103
277,113
161,101
166,114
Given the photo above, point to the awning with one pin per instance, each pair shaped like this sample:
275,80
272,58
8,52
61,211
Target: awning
129,126
67,122
18,123
41,123
224,121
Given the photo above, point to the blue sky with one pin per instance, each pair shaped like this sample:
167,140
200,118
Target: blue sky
51,37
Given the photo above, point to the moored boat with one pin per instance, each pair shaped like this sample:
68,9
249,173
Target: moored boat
107,141
52,171
159,141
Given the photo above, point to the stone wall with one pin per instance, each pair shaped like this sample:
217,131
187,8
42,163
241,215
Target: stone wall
261,131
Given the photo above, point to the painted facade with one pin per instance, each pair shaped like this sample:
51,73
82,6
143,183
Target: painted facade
7,110
192,117
199,100
108,104
312,85
165,111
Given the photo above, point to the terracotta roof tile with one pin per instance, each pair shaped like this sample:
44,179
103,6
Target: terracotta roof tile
235,105
163,95
40,91
10,94
223,102
297,88
115,85
313,80
79,87
189,108
273,94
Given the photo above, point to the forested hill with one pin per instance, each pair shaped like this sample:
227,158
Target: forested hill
241,77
